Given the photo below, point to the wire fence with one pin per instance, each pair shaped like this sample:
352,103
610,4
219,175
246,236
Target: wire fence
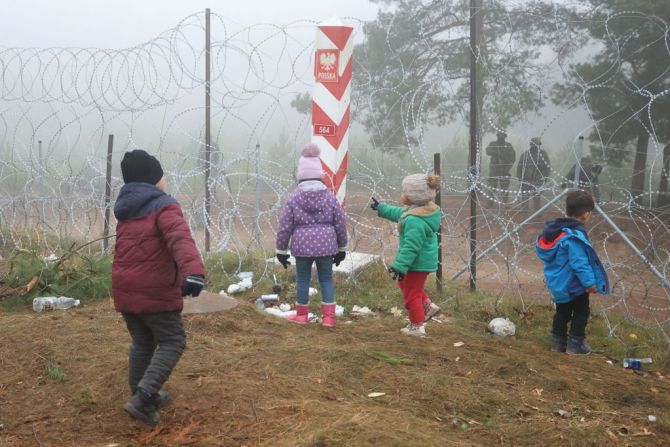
58,106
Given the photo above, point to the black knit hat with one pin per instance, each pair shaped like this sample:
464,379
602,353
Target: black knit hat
139,166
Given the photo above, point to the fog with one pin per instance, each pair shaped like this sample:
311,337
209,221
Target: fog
125,23
262,58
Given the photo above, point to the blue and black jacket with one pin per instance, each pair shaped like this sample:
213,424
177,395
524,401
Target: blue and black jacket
571,265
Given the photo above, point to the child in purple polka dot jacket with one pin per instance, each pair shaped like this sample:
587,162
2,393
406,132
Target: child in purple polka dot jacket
314,223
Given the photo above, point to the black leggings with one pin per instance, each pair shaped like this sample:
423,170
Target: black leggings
577,311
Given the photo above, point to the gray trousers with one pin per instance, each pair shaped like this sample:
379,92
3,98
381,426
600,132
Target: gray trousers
158,341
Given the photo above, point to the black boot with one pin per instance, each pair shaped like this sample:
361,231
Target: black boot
577,345
143,406
559,343
162,398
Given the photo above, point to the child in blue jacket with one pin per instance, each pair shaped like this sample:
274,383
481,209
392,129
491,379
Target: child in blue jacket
572,271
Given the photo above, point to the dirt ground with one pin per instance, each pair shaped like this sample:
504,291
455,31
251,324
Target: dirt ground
249,379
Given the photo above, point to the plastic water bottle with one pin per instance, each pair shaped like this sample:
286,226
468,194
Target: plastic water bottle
635,363
45,303
270,298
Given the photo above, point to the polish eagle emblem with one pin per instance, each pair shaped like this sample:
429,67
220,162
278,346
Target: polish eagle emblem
327,61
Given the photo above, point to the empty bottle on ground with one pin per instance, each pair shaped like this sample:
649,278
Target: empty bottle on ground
633,363
45,303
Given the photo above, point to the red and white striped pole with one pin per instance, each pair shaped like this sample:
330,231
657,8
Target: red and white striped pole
331,101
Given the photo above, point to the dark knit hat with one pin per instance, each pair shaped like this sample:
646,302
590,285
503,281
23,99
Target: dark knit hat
139,166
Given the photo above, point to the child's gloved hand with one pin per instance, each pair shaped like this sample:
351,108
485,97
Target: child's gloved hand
339,257
375,204
283,260
193,285
396,275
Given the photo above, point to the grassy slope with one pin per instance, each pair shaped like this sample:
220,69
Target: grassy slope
252,379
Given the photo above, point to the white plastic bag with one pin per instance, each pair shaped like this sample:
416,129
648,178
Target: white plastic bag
502,327
244,284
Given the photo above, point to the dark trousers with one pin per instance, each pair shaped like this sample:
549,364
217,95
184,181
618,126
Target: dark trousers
158,341
577,311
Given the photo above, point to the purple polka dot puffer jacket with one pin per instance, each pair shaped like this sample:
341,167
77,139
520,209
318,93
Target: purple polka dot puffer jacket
314,223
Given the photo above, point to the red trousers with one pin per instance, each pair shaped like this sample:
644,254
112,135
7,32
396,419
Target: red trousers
413,292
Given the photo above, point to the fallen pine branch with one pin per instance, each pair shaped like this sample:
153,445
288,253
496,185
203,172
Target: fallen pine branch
9,291
74,249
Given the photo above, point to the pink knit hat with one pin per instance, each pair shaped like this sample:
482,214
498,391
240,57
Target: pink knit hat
309,165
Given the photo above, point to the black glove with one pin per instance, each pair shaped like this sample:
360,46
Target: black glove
283,260
193,285
375,204
339,257
596,169
396,275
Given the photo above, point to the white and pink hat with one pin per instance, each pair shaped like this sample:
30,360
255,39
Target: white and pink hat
309,165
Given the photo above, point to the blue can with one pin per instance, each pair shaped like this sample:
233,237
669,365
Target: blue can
634,364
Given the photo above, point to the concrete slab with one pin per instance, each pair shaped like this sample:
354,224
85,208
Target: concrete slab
207,303
352,263
355,261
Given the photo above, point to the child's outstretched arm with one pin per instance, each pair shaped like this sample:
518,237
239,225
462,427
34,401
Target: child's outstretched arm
285,232
179,240
579,263
414,237
390,212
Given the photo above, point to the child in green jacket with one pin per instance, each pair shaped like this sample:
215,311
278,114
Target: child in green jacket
418,224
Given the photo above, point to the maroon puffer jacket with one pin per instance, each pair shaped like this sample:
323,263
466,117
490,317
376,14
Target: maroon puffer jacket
154,251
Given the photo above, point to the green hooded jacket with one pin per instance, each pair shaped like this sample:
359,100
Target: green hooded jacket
418,227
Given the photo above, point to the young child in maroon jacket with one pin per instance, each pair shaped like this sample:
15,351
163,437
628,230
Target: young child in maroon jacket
156,263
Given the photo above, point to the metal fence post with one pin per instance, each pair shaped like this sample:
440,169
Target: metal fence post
208,115
438,201
108,192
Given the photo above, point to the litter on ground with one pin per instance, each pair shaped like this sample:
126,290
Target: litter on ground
502,326
562,413
244,283
357,310
396,312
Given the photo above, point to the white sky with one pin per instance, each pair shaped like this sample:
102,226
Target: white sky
123,23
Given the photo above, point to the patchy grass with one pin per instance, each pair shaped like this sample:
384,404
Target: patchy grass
55,372
609,333
251,379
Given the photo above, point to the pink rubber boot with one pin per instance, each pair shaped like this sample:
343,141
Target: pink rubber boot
328,312
301,315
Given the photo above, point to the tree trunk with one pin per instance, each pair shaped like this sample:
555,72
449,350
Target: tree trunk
640,165
663,185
